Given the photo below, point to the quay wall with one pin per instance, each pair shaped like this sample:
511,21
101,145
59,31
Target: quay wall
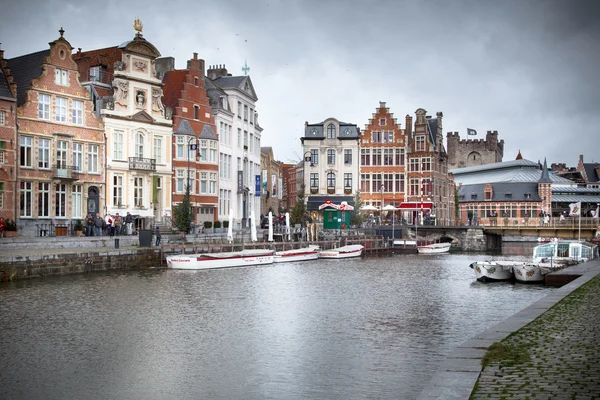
36,266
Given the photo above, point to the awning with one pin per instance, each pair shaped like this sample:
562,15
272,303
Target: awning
344,206
313,202
415,205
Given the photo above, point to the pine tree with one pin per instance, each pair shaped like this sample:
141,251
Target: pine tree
356,218
182,213
299,208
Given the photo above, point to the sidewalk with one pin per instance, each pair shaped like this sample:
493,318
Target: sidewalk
561,335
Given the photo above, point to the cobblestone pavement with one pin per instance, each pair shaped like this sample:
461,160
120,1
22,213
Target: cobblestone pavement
564,349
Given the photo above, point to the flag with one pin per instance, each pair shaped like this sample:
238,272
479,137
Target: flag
471,131
575,208
596,214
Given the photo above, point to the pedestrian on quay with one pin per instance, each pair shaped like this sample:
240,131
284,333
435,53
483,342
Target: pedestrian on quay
470,217
89,225
129,223
2,227
117,223
98,224
108,221
158,236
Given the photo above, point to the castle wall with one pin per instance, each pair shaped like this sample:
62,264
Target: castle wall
472,152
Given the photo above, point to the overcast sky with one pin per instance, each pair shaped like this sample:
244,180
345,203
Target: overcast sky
528,69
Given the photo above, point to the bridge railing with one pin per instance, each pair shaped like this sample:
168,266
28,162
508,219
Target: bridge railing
553,222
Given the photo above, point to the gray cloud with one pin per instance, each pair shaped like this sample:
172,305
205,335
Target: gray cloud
527,68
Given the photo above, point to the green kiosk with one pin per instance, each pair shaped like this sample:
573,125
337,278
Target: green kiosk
336,216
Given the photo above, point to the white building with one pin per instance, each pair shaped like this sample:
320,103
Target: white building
128,91
333,170
233,101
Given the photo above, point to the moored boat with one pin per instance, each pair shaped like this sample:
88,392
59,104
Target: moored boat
534,272
303,254
354,250
570,252
434,248
220,260
493,271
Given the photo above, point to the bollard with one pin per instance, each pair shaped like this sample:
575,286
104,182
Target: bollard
116,243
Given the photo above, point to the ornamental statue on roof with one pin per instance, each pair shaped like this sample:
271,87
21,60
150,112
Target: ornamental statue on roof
137,25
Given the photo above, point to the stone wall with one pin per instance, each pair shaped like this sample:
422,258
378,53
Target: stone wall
472,152
67,264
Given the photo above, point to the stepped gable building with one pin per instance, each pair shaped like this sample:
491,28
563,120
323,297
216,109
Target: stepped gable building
193,124
233,102
430,190
590,173
272,193
472,152
60,172
8,142
383,160
516,191
128,91
332,173
288,189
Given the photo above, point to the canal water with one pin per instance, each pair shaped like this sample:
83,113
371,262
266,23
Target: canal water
373,328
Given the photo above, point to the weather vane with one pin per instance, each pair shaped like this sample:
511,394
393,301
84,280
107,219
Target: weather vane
245,68
137,24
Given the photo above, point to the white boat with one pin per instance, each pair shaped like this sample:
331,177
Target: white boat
220,260
534,272
492,271
354,250
570,252
303,254
434,248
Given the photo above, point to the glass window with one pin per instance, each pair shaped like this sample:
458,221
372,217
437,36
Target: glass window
388,137
117,190
26,149
314,156
400,183
25,198
420,143
365,156
330,180
348,156
43,199
78,156
399,157
388,156
61,109
376,137
139,145
376,183
138,191
158,149
330,157
388,183
77,112
245,112
180,147
43,106
196,112
426,164
314,180
347,180
365,183
93,158
61,77
77,200
203,182
239,109
376,157
414,164
44,153
2,118
180,181
330,131
60,201
414,187
62,151
118,145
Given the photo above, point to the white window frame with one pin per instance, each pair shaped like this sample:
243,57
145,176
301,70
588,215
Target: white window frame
43,153
180,148
2,118
60,200
77,200
77,112
93,154
118,145
139,144
60,109
180,181
157,149
26,151
43,200
26,198
61,77
138,191
62,154
77,156
117,195
43,106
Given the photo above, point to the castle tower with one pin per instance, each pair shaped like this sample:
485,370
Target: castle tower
545,189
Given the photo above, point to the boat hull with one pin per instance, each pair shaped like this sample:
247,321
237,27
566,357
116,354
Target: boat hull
208,261
282,257
528,273
342,252
492,271
436,248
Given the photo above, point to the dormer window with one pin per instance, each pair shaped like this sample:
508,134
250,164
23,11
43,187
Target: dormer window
61,77
473,196
330,131
96,74
508,195
527,195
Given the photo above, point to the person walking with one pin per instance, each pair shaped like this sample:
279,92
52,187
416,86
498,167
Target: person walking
129,223
117,223
2,227
158,236
98,223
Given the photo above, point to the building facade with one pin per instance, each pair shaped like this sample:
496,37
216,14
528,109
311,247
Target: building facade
333,170
471,152
590,173
196,146
382,160
8,142
60,169
272,193
128,94
289,194
430,191
233,102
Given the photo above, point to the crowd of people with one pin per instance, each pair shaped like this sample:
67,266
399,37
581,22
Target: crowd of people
109,225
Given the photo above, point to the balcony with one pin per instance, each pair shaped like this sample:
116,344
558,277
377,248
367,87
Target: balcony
331,189
65,172
314,189
348,189
142,164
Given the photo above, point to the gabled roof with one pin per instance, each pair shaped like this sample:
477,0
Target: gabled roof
237,82
317,131
592,170
495,166
432,128
184,128
173,85
24,69
207,133
214,94
501,191
5,87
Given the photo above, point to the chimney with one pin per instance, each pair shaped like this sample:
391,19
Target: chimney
196,64
305,123
195,56
216,71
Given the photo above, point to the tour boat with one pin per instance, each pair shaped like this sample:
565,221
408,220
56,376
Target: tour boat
354,250
220,260
492,271
303,254
535,272
434,248
570,252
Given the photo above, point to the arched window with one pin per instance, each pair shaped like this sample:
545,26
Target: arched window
331,179
139,145
330,131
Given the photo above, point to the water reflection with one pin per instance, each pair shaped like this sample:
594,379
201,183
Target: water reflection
329,329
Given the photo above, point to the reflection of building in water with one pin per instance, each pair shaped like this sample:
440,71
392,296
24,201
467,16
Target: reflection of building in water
471,152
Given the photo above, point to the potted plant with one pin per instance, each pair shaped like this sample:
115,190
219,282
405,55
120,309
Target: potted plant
10,230
78,228
217,225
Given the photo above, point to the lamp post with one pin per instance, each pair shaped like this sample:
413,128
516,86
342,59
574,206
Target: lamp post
381,207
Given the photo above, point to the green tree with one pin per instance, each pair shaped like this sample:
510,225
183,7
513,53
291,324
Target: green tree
299,208
356,218
182,213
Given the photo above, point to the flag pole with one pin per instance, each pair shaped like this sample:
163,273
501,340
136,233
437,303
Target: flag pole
579,235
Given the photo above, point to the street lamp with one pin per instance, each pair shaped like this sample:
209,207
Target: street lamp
381,207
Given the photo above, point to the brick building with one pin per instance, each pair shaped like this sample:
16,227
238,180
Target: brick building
193,122
471,152
430,190
127,91
61,167
590,173
8,142
271,194
288,192
382,160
